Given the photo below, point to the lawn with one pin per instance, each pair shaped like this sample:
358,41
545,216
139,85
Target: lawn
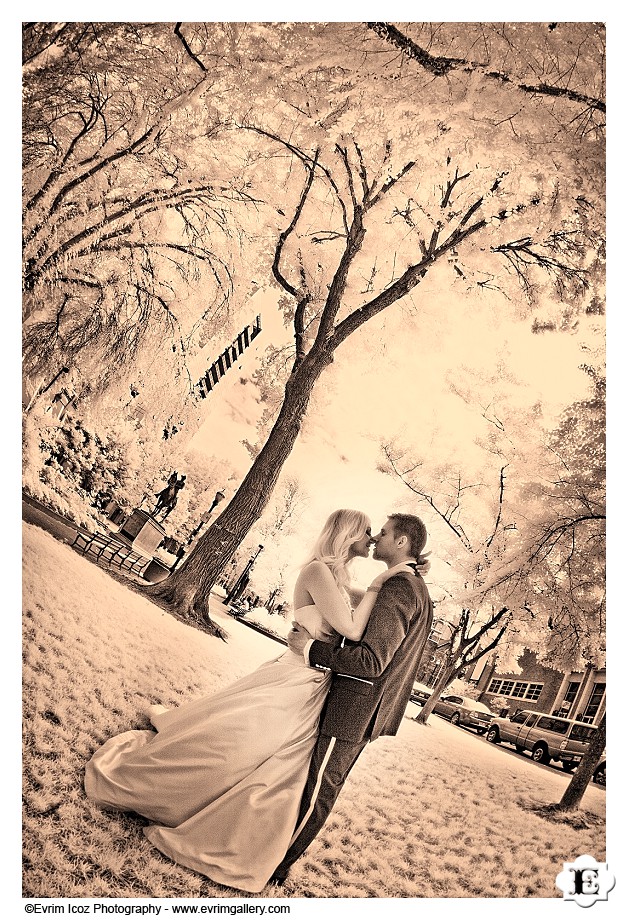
436,812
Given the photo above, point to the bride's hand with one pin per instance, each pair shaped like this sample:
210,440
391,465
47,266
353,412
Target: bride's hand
423,565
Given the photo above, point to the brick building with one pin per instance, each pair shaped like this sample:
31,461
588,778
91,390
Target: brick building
577,694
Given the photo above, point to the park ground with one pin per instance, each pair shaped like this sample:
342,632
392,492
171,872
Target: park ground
435,812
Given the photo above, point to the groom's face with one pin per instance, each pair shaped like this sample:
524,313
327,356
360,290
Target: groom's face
385,543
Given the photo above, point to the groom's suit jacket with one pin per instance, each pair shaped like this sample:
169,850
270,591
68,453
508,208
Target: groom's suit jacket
373,677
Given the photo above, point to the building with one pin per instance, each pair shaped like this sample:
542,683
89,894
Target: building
577,694
433,658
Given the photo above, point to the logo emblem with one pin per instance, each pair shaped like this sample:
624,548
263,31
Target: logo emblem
585,881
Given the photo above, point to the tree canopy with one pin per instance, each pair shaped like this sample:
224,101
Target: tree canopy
335,165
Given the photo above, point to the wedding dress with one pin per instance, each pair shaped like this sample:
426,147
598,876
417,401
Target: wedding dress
222,776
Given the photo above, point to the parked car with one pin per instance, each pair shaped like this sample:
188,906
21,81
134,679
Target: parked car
462,710
599,774
547,737
420,693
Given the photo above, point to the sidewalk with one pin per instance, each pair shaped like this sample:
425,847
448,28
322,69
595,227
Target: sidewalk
33,512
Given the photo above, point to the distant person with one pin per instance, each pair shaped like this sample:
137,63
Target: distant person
223,776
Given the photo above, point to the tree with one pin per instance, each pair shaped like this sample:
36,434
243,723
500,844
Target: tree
464,648
367,225
553,573
572,796
440,176
564,557
277,524
123,197
76,466
478,629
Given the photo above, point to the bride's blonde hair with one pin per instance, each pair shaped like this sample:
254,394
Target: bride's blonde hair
341,530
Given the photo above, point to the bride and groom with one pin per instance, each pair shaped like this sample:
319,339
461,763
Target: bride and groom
238,784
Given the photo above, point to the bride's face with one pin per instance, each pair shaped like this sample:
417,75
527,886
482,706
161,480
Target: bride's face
362,546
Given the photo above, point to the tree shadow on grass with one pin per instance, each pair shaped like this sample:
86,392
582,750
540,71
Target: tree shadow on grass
578,820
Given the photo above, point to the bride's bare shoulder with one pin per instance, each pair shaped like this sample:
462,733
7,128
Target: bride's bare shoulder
314,565
315,569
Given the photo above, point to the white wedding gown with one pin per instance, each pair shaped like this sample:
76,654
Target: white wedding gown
222,776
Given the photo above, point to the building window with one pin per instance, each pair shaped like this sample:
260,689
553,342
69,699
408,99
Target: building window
572,690
594,702
570,694
520,690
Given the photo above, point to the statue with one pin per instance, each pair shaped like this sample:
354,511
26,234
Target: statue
167,498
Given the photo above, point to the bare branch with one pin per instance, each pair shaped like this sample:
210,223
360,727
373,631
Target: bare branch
446,516
451,184
285,234
305,158
441,66
500,505
177,32
390,183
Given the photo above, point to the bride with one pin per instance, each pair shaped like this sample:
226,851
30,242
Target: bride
222,776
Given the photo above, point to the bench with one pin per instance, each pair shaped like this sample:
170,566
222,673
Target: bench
113,552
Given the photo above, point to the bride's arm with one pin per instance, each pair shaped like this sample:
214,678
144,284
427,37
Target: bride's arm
317,579
324,591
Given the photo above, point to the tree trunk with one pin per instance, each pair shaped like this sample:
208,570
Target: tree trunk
581,778
446,678
187,590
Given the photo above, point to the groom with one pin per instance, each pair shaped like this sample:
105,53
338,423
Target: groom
372,678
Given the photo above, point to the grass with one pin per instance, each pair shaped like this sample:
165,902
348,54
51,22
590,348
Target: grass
434,813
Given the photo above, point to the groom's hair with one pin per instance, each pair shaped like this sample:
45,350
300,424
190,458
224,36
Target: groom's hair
413,528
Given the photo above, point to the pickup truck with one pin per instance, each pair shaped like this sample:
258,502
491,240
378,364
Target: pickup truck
547,737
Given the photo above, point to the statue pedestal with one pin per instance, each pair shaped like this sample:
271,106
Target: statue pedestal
143,531
155,572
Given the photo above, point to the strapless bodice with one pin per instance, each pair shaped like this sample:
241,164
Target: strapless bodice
311,618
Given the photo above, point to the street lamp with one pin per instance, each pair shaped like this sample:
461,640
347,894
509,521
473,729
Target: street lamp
218,497
243,580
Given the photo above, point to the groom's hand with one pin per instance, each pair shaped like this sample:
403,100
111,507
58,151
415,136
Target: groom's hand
297,638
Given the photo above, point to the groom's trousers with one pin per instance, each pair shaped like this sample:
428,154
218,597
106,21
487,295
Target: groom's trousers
330,765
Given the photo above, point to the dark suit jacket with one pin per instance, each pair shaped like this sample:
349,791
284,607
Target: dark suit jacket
373,678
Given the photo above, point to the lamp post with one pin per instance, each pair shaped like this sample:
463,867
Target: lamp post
243,580
218,497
